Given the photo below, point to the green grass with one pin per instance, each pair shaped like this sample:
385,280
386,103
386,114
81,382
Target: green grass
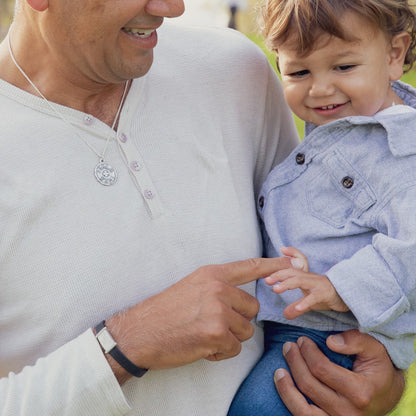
407,404
410,78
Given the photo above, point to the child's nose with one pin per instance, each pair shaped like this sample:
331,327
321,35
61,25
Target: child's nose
321,87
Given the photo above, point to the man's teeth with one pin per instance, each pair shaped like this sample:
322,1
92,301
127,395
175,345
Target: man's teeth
141,33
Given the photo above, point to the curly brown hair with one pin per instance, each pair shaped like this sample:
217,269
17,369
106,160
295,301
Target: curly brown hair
308,19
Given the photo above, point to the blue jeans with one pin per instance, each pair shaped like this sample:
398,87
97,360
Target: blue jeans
257,396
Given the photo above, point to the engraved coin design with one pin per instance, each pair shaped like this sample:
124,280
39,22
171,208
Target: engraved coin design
105,174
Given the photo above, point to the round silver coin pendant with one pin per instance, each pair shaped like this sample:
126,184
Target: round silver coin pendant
105,174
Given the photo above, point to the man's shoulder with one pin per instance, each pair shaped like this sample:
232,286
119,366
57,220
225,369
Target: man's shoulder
208,43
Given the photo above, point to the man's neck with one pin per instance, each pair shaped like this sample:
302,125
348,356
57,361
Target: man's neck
69,90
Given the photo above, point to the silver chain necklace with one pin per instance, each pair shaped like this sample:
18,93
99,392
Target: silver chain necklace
103,172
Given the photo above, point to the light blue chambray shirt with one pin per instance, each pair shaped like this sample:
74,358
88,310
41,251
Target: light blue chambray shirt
346,197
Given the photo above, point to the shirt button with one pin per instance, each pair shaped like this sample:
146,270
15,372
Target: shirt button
88,119
122,137
135,165
347,182
261,202
300,158
148,194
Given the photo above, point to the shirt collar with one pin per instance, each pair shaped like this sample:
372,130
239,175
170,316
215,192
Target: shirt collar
400,126
399,122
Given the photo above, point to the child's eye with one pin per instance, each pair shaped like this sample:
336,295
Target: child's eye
344,68
299,74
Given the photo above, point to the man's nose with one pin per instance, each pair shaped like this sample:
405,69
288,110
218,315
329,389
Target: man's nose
165,8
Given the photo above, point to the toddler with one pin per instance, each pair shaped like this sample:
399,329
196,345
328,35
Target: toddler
346,197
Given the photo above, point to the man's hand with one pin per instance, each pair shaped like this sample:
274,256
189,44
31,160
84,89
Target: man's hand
373,388
204,315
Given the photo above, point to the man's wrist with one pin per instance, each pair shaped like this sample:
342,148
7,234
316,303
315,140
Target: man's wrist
109,346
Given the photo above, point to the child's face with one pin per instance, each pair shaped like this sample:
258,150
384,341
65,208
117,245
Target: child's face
340,78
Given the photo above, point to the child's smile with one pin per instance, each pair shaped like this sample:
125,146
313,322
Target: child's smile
330,110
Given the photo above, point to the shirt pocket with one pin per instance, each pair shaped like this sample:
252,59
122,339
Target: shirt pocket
338,192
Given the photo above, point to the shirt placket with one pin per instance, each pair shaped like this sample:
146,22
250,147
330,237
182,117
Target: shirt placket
140,174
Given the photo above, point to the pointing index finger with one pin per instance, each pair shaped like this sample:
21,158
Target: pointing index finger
244,271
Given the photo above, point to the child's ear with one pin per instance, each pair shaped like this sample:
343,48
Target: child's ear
397,53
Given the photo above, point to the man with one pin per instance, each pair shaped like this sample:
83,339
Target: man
98,225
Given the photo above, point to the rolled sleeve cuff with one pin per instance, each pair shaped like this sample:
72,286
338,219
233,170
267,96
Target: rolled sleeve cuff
369,289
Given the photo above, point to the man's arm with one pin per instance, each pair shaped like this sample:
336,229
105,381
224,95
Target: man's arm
373,388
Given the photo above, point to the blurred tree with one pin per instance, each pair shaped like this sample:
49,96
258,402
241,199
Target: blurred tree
6,14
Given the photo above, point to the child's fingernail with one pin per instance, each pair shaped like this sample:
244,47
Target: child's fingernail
297,263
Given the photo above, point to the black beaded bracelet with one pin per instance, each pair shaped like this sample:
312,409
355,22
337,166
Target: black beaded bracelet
109,346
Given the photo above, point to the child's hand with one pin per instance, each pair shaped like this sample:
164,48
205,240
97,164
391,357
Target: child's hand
318,291
298,259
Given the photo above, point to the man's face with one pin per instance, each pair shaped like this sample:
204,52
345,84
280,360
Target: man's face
106,41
